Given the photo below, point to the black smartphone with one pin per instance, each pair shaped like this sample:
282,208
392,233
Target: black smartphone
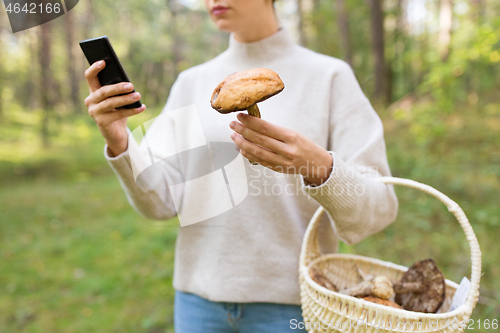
100,48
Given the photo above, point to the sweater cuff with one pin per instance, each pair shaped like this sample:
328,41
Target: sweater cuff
120,164
338,194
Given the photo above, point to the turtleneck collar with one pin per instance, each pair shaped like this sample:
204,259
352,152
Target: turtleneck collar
275,46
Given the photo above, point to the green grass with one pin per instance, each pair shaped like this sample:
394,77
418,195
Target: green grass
75,257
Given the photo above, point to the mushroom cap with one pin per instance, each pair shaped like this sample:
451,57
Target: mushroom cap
430,297
243,89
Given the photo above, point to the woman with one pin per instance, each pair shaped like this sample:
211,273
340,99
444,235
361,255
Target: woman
321,130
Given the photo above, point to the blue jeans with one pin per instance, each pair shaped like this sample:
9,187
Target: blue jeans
193,314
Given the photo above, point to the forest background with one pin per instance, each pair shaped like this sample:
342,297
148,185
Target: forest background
75,257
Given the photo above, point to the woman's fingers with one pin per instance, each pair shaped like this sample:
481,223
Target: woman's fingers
115,102
268,129
106,92
259,139
91,75
107,119
104,99
260,154
112,103
255,159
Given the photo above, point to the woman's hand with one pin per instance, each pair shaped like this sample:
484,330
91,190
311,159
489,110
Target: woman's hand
281,149
102,104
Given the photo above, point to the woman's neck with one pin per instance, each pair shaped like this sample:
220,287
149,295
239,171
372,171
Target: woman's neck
263,25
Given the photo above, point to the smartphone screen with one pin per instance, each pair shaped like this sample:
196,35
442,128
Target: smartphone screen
100,48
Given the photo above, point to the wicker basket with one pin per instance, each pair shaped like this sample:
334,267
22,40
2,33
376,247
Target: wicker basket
327,311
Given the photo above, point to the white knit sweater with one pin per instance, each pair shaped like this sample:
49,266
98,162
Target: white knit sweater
250,253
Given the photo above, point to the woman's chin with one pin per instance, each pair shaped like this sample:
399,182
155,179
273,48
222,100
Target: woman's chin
224,25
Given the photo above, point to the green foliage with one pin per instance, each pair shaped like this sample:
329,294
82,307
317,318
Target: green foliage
470,72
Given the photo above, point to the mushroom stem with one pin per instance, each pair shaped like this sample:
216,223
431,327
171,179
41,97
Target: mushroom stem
253,110
379,286
360,290
407,287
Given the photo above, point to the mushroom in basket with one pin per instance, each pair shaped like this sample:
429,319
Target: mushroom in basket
421,289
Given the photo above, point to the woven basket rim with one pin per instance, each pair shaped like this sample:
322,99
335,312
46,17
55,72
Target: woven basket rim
409,314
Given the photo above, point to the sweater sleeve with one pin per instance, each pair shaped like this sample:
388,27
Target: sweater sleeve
357,204
154,202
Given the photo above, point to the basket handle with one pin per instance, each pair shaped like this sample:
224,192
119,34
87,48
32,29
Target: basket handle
310,247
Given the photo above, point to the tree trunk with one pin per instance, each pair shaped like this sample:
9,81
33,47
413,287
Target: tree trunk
1,86
398,45
88,18
73,81
315,40
377,26
343,22
46,80
300,14
396,59
1,69
389,84
86,21
33,100
445,22
478,10
174,8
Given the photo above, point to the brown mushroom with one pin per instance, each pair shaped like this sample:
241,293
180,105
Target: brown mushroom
322,280
243,90
422,287
381,301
